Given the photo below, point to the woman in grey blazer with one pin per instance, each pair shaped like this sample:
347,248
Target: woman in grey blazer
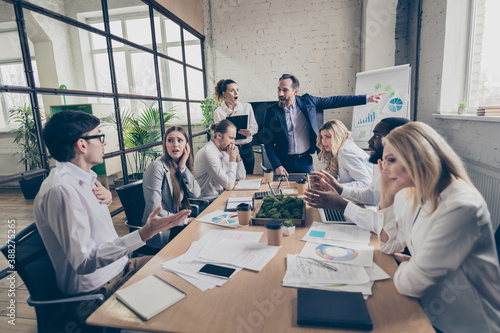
169,181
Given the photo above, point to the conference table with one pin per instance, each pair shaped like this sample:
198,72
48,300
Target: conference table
254,301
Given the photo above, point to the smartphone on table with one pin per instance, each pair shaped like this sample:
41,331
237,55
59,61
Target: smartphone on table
217,271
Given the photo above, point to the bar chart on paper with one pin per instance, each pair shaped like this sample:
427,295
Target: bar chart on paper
366,120
394,83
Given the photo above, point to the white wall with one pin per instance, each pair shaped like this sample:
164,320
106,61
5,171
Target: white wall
254,42
474,140
379,34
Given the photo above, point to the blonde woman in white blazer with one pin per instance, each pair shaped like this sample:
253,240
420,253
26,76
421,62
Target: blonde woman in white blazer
453,268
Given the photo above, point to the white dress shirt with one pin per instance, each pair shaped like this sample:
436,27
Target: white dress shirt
454,265
240,109
78,231
214,172
299,140
354,167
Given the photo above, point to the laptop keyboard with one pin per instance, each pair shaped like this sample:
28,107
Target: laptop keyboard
331,216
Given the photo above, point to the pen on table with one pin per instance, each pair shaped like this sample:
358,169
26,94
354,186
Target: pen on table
281,179
270,188
325,264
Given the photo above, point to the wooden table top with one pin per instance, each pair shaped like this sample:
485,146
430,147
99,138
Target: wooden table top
254,301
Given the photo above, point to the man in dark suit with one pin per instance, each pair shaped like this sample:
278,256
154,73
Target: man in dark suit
290,125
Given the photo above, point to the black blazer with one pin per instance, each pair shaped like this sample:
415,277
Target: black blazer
275,130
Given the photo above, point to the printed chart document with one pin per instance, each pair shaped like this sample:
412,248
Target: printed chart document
305,271
149,296
318,232
248,184
250,255
222,218
361,255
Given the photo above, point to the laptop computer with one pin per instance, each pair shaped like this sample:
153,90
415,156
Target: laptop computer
333,216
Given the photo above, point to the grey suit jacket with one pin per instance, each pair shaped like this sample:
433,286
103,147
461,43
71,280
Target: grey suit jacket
157,186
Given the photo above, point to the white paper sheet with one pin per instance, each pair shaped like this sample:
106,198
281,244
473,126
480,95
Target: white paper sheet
216,235
318,232
250,255
365,289
376,273
192,269
222,218
248,184
304,270
200,284
360,256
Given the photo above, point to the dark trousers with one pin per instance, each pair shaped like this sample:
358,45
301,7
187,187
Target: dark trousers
246,153
299,165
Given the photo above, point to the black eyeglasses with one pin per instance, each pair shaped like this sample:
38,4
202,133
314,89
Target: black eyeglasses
101,137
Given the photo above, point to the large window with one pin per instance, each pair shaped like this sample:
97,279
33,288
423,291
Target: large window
484,65
131,60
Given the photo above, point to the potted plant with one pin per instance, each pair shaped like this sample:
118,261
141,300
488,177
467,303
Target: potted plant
288,228
139,130
208,106
462,108
29,153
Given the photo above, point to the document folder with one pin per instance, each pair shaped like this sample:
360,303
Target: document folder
149,296
332,308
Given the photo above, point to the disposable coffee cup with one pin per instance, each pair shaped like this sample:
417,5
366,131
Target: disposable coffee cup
244,213
274,233
301,186
268,176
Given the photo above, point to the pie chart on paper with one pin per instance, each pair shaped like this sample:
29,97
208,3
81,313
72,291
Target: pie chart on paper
227,219
395,105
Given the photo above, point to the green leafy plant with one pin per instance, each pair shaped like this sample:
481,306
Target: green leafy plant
288,223
142,129
208,106
26,137
281,207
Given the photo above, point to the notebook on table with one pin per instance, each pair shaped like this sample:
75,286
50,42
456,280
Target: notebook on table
333,309
149,296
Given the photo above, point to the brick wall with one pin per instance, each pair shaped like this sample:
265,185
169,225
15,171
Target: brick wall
255,41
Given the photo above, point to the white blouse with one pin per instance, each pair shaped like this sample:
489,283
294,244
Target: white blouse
241,109
354,167
453,268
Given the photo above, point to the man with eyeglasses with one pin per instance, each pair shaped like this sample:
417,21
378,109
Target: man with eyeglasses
77,230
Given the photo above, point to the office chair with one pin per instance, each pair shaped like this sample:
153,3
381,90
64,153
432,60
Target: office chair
132,199
133,203
33,265
266,163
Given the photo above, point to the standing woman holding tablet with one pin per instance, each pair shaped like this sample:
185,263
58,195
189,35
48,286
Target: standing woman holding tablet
343,158
169,182
227,91
453,268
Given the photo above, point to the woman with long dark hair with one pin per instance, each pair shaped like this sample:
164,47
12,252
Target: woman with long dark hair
169,181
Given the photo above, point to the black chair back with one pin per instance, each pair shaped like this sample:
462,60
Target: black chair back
132,199
33,265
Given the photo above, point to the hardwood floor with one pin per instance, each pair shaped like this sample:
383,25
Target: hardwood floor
14,207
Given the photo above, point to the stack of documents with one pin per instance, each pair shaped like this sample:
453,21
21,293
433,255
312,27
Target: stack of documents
335,257
237,249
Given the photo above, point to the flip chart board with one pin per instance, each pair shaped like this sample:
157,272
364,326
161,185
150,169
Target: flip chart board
396,82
